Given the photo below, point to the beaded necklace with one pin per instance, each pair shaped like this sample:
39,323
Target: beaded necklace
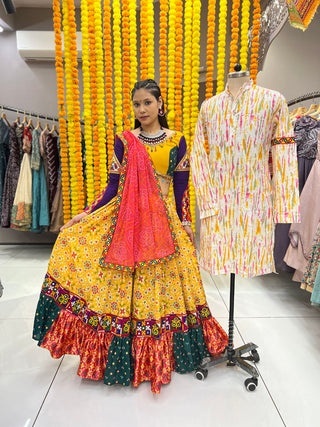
154,139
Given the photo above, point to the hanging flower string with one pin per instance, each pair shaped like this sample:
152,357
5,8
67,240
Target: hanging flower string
100,94
255,40
245,12
187,71
126,63
133,48
223,6
61,107
150,48
178,66
117,63
143,39
234,34
210,47
108,79
87,101
94,97
163,49
171,62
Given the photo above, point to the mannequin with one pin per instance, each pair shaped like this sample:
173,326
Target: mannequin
236,80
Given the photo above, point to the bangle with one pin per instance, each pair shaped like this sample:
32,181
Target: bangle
189,223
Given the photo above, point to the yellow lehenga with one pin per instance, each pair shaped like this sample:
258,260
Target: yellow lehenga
127,325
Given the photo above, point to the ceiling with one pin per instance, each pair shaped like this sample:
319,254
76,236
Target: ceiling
38,3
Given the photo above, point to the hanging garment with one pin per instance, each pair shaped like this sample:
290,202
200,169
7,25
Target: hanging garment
57,219
313,264
40,205
21,214
12,175
238,202
52,156
306,130
146,314
4,155
302,234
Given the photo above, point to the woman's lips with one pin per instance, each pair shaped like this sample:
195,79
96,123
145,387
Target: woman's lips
143,117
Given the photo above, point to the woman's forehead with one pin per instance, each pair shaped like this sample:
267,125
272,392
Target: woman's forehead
142,94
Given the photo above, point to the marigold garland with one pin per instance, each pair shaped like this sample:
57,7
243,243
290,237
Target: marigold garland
150,47
245,15
126,63
108,65
255,40
100,94
234,34
87,102
133,48
171,62
94,99
210,47
144,39
163,49
187,71
178,66
223,8
117,63
61,107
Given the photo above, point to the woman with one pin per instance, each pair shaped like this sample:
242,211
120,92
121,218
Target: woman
123,288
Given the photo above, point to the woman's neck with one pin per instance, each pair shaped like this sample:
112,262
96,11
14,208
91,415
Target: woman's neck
152,129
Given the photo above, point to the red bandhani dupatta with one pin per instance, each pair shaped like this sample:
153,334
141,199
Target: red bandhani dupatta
141,231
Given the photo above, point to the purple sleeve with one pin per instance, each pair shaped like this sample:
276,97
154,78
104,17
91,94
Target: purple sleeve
180,178
113,184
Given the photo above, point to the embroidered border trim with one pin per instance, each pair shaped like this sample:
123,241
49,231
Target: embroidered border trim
184,164
121,326
284,140
115,217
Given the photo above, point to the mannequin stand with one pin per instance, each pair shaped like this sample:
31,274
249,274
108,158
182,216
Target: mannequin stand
234,356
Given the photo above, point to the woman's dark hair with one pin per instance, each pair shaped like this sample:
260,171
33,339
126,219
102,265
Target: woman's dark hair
151,86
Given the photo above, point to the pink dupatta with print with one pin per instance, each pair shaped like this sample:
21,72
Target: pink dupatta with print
141,233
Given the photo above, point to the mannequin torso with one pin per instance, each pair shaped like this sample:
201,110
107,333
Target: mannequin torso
235,83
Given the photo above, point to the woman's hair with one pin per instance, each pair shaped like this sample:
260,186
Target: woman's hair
151,86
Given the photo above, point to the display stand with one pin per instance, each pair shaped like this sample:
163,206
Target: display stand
233,356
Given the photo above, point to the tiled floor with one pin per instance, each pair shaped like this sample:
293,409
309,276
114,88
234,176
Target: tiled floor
271,311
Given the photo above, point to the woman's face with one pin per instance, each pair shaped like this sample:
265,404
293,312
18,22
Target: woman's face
146,107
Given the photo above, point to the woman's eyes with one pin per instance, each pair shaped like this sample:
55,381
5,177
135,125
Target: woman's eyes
136,105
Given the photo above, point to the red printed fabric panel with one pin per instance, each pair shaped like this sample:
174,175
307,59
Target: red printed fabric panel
186,214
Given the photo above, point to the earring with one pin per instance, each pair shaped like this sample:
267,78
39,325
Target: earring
161,112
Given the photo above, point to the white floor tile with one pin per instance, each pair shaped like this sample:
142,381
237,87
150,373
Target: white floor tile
289,364
26,373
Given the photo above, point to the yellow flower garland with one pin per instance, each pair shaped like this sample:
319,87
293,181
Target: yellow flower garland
108,78
144,39
126,63
117,63
100,94
196,19
221,44
133,48
234,34
187,71
245,12
62,112
255,40
163,49
87,101
171,62
210,47
150,47
178,66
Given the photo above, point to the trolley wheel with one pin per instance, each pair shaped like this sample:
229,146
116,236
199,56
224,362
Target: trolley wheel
255,356
201,374
251,383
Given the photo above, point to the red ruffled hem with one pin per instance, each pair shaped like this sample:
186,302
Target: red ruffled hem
154,358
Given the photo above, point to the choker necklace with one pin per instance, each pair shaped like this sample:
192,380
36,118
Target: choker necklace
153,139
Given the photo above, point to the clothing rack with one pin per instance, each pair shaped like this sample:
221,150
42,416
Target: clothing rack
28,113
305,97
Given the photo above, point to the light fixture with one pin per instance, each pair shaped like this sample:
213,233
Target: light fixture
8,6
1,29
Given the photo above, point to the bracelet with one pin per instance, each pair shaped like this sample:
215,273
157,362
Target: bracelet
189,223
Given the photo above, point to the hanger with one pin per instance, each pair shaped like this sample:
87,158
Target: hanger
301,111
54,128
38,124
25,120
18,118
46,128
312,108
4,117
30,124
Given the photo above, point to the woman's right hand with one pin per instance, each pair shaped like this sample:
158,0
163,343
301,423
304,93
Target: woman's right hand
74,220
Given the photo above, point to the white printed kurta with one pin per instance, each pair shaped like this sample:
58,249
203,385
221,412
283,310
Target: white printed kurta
239,201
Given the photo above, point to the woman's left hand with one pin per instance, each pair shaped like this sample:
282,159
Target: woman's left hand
189,231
